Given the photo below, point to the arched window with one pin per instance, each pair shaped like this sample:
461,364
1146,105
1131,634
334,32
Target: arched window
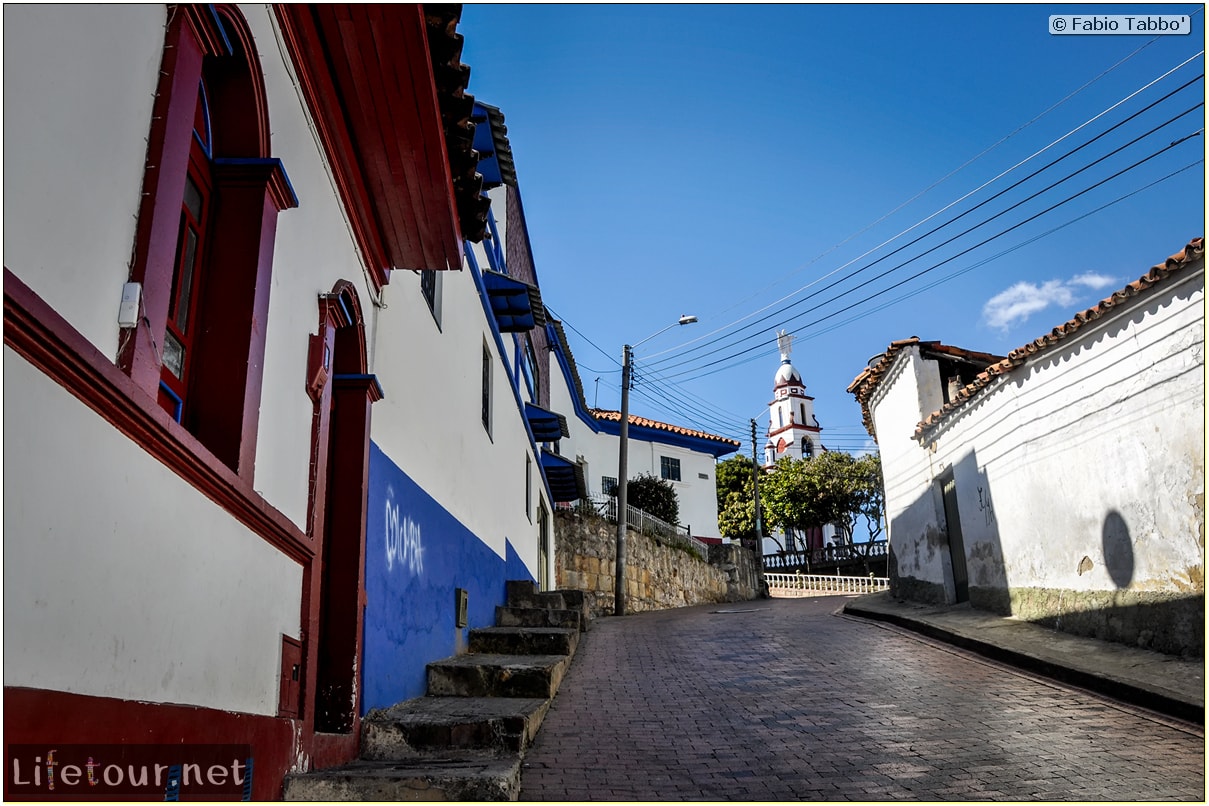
807,448
204,240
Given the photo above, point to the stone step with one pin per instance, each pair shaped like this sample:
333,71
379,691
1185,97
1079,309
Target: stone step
524,594
452,776
578,601
492,675
524,640
433,724
537,617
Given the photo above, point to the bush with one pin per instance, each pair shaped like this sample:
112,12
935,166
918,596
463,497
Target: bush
654,496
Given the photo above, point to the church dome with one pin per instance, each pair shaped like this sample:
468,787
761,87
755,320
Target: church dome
787,374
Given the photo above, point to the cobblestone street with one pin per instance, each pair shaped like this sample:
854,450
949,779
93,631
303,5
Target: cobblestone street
783,700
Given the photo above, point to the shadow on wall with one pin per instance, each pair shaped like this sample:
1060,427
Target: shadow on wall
1170,621
977,530
1117,549
952,534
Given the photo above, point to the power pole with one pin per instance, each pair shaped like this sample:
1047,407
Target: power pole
755,485
622,471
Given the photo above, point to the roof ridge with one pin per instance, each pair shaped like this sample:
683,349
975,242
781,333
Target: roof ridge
867,380
636,419
1194,251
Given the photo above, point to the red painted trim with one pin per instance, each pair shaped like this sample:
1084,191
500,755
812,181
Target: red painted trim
795,427
258,104
163,186
38,333
38,716
302,42
367,78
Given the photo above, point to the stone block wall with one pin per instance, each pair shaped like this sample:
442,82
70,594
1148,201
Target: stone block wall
658,577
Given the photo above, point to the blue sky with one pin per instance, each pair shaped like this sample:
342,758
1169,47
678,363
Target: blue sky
772,166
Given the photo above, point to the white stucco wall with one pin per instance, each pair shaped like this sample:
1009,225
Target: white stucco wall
313,250
122,580
914,514
430,422
1082,470
78,89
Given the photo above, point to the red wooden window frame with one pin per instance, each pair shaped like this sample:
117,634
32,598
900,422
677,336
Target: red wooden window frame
217,397
180,337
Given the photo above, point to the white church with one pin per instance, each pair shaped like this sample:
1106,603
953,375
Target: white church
794,432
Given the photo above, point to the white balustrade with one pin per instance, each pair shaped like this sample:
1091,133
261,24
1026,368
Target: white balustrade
784,586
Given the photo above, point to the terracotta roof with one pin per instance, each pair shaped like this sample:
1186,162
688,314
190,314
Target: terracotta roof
864,383
615,416
451,77
1190,254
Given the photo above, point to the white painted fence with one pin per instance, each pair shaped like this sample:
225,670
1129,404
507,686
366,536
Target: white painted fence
786,586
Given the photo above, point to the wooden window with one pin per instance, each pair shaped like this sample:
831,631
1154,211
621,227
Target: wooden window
669,468
180,335
203,247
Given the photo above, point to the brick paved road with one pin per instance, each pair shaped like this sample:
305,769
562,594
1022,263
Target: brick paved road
794,703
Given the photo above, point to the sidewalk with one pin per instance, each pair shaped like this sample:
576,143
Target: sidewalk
1152,680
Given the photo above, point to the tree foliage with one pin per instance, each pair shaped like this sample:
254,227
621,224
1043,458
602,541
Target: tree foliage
833,487
736,504
654,496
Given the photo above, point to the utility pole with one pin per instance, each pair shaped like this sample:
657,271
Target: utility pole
622,475
755,485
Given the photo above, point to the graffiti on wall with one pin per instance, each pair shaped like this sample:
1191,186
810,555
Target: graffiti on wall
404,544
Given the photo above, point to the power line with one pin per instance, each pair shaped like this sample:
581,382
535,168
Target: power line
917,224
982,243
964,232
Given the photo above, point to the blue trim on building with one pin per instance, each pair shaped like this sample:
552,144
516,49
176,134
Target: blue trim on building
416,555
644,433
476,275
564,365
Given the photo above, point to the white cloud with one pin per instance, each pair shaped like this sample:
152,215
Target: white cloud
1017,303
1094,281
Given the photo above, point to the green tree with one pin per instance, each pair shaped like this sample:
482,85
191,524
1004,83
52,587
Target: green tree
654,496
736,503
833,487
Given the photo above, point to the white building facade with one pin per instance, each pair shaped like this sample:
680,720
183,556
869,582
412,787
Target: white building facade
239,356
1064,483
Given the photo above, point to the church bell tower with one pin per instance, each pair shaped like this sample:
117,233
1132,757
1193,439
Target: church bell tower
792,428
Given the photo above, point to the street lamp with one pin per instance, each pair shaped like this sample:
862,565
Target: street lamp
627,356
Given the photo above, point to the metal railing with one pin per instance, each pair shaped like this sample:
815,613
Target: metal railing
828,554
647,524
795,585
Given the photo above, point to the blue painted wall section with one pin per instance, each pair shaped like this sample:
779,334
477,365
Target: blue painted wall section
416,554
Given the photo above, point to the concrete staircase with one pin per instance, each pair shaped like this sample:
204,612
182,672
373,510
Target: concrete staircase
465,740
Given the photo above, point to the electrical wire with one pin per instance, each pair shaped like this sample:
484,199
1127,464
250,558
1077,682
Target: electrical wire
678,348
952,220
951,239
976,246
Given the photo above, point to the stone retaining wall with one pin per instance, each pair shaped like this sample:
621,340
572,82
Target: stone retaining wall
658,577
